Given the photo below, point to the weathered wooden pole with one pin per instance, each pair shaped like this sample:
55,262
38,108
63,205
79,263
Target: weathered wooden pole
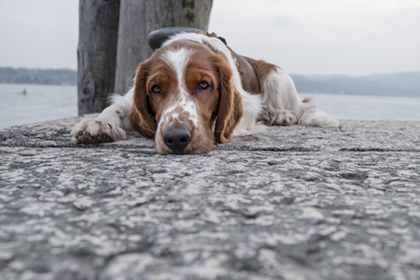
96,53
113,40
139,17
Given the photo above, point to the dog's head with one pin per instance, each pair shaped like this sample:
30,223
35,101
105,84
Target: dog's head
185,98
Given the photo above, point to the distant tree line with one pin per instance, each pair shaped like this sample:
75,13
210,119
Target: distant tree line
38,76
394,84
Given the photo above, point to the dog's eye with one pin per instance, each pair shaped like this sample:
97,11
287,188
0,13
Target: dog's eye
203,85
156,90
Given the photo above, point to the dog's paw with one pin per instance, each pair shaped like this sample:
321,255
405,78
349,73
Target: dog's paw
93,131
283,117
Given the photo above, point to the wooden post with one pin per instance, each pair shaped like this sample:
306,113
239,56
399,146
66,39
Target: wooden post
96,53
139,17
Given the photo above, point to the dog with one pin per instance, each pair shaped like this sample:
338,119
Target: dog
194,91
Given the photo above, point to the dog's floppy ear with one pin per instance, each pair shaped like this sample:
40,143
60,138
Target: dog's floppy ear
230,110
141,114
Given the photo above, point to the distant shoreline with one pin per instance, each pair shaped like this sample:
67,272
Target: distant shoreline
32,84
9,75
392,84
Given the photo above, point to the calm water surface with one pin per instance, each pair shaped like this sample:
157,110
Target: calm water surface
44,102
40,103
362,107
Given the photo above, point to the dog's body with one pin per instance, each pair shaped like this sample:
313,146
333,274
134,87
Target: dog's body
195,91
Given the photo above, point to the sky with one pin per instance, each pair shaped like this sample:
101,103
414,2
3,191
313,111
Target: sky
349,37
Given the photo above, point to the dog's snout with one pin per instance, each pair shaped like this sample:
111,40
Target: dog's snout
177,139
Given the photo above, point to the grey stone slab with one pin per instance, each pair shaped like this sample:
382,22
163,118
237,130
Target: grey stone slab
293,203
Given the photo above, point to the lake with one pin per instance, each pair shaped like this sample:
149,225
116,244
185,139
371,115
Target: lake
46,102
40,103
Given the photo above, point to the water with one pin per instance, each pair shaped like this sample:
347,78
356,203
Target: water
369,107
44,102
40,103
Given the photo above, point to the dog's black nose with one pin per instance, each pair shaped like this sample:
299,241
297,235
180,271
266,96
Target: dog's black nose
177,139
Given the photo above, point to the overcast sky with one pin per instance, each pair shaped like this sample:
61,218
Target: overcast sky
354,37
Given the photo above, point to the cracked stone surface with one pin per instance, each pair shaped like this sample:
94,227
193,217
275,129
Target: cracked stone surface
293,203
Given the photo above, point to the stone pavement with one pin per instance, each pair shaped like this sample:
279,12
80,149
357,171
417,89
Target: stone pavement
294,203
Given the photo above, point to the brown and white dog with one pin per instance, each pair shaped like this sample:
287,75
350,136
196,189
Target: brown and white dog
194,91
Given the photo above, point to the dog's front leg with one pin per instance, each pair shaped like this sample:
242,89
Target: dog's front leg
109,126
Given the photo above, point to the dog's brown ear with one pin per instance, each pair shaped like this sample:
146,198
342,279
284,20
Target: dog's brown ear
230,110
141,114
